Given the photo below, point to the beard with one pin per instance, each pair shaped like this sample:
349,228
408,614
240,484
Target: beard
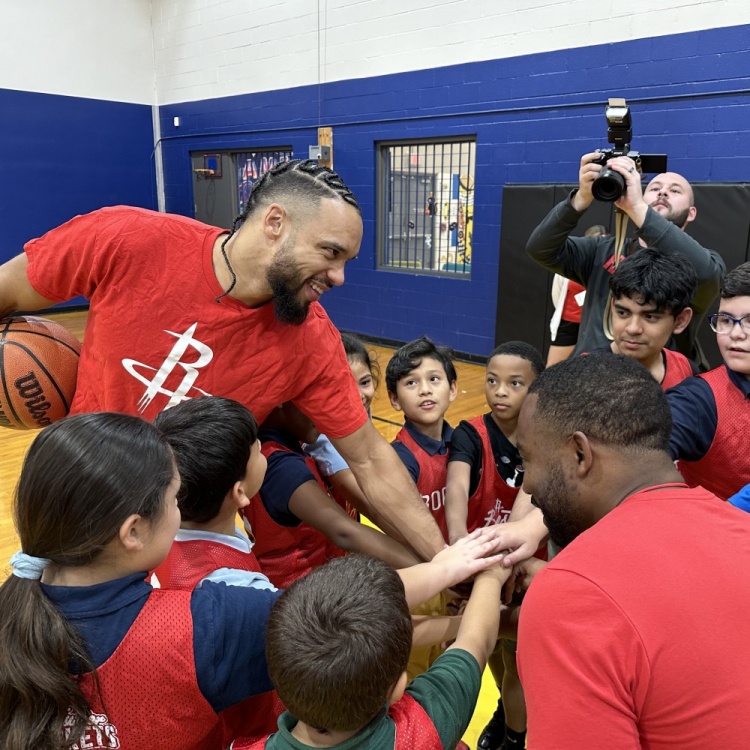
678,218
286,282
554,496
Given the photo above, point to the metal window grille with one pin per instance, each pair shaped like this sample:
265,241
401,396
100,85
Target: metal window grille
426,206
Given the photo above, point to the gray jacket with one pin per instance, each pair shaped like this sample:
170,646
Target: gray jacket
589,261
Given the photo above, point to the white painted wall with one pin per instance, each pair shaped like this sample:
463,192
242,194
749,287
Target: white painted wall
99,49
212,48
124,50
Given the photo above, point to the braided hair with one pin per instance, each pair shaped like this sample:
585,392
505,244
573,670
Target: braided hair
295,181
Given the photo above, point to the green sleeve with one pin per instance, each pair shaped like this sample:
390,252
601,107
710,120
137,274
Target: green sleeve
448,692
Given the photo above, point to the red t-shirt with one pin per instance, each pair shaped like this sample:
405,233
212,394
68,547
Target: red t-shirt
156,335
636,634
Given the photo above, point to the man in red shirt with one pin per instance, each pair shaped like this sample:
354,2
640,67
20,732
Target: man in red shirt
180,309
615,648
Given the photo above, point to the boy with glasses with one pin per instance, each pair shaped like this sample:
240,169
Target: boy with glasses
711,413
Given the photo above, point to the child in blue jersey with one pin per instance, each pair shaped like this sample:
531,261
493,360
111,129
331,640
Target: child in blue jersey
484,479
96,509
351,620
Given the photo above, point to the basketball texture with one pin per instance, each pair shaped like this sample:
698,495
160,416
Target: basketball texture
38,368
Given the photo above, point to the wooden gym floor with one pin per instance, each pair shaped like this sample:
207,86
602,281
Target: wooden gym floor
469,402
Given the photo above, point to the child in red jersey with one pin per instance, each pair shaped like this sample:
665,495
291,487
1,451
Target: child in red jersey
351,620
96,509
421,382
711,413
216,447
651,294
484,478
295,523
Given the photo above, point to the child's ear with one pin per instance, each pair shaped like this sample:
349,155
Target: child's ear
453,391
682,319
393,398
133,532
238,497
398,689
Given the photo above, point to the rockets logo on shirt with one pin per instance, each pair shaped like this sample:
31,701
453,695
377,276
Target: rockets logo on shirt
498,514
173,360
100,734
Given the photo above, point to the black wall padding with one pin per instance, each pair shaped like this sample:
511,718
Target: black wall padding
524,305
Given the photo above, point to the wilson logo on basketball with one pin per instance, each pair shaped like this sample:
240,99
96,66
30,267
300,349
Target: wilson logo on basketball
32,395
38,372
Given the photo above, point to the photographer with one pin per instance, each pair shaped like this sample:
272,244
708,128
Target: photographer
660,215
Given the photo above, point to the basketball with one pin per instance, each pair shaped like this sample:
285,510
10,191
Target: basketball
38,368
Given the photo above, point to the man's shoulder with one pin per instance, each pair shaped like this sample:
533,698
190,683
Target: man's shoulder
117,214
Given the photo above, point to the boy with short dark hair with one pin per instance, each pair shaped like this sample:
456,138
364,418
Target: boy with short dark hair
711,412
485,475
350,619
651,293
216,448
421,382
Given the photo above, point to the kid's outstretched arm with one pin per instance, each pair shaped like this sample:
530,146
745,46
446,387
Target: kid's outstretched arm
457,499
464,559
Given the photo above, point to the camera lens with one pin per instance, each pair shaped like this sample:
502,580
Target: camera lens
608,186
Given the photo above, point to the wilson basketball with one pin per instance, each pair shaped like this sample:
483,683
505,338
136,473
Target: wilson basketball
38,368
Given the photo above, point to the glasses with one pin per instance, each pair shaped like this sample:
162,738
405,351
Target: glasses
723,323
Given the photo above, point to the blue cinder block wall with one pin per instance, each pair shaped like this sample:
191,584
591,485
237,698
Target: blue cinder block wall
533,117
65,155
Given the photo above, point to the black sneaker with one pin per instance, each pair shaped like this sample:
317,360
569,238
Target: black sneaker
493,735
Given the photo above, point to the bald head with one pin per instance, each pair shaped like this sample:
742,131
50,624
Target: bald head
671,195
669,179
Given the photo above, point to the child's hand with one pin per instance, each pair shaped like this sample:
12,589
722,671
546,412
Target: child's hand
498,572
469,555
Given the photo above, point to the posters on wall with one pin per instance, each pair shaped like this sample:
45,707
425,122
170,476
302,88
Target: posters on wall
251,166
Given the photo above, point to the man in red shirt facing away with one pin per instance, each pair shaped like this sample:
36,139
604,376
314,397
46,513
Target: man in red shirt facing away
615,649
179,309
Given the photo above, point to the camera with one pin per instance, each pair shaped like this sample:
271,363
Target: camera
610,185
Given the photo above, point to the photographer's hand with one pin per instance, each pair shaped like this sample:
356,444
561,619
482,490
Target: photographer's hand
631,202
588,172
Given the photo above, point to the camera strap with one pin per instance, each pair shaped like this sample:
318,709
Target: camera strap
621,225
